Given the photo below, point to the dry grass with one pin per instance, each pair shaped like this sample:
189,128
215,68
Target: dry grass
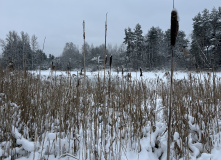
97,121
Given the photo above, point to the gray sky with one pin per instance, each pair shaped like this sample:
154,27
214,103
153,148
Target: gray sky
61,20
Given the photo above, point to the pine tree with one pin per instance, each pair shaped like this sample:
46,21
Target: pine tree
205,38
179,55
154,40
129,41
138,46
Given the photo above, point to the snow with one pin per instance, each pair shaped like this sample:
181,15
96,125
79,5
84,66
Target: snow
27,145
176,136
51,136
1,152
134,75
147,143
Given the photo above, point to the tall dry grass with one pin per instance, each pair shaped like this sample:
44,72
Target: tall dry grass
109,122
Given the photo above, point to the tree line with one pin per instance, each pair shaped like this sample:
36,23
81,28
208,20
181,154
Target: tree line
206,39
150,51
153,50
23,51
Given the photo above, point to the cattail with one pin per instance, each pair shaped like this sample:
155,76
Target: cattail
106,59
141,73
78,83
52,65
84,48
174,27
173,34
81,73
110,61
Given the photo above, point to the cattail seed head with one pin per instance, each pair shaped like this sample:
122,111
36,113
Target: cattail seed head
52,65
110,61
141,73
174,27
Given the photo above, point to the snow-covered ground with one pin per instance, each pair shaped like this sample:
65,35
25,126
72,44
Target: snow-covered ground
134,75
56,146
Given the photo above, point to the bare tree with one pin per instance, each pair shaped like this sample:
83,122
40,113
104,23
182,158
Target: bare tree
34,47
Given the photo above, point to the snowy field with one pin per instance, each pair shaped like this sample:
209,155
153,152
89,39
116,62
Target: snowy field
63,121
134,75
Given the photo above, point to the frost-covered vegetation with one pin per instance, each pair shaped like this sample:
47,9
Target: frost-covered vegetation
51,117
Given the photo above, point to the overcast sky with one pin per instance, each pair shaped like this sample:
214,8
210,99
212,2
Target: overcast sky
60,21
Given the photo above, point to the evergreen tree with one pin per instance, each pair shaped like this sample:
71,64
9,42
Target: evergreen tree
154,42
129,42
215,22
41,60
138,46
71,56
88,55
205,39
180,56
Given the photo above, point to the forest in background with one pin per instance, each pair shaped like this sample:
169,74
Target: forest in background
150,51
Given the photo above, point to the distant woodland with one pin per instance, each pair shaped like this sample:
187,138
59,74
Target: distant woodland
150,51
